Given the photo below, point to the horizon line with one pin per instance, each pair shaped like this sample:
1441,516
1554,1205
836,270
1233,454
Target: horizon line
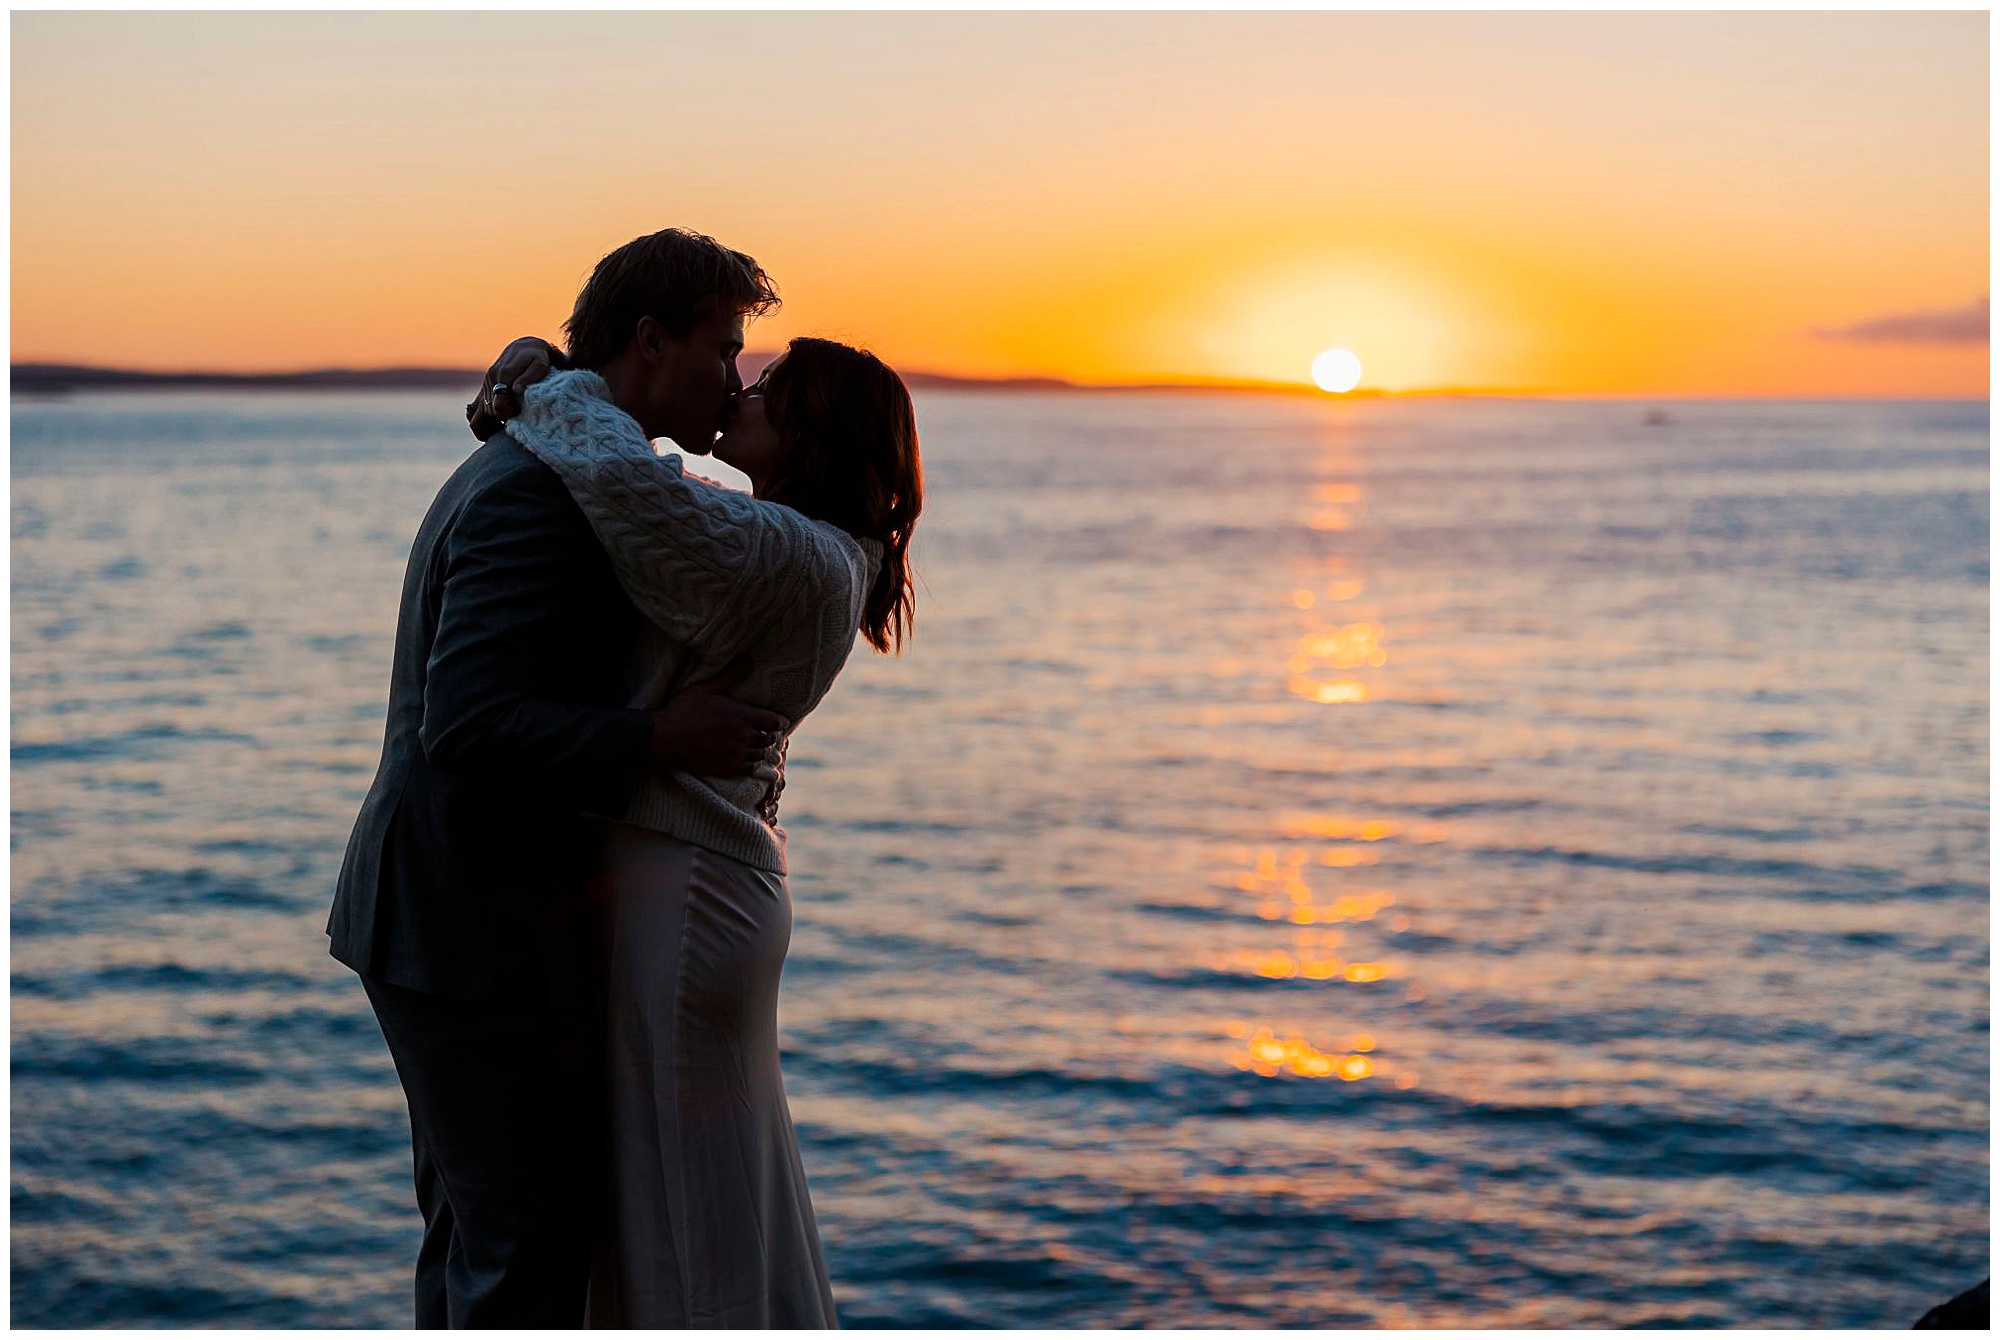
51,378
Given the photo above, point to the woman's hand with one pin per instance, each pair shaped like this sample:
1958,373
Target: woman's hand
521,364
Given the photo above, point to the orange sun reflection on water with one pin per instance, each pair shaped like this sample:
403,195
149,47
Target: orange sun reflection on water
1274,884
1321,666
1281,966
1342,691
1278,880
1345,647
1327,665
1338,829
1265,1053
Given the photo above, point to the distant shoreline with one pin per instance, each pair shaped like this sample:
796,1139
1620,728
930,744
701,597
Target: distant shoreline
64,378
60,379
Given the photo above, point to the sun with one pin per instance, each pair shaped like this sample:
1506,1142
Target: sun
1336,370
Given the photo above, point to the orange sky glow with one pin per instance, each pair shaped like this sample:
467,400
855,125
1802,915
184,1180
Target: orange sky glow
1573,203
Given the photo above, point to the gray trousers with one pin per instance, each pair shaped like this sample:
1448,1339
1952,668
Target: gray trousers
507,1143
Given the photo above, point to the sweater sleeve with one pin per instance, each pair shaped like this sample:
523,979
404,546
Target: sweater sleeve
707,565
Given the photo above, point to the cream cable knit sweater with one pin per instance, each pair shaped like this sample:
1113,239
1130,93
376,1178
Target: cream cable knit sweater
717,573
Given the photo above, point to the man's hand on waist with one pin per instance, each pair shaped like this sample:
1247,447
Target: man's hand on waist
704,731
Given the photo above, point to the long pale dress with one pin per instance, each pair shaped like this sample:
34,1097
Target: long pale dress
711,1225
708,1223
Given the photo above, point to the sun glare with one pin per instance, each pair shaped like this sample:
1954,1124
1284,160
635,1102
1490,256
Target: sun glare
1336,370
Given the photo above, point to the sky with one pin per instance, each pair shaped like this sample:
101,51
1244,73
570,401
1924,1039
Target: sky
1573,203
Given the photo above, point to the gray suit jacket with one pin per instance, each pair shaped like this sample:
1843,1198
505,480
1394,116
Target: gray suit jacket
463,872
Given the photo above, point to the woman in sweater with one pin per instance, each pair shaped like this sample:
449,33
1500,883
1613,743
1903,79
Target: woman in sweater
710,1224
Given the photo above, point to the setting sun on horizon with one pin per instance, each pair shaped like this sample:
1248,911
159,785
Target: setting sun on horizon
1729,204
1336,370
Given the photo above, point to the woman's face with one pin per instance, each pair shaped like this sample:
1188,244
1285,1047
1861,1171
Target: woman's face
751,442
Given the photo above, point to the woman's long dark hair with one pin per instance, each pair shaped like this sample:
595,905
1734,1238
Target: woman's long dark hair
851,459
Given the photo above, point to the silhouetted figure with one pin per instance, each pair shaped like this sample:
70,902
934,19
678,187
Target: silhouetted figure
460,899
709,1223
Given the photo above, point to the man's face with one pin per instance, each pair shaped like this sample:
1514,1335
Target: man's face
695,383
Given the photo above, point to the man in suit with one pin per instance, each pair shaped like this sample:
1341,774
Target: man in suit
460,899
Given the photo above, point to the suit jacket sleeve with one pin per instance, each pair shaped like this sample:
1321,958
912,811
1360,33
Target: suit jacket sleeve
510,562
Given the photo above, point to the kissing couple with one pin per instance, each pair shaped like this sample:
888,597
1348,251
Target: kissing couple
565,893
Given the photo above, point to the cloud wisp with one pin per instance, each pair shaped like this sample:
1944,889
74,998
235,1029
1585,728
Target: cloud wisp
1970,324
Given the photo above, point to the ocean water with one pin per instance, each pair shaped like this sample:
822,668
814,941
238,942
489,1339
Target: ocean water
1451,863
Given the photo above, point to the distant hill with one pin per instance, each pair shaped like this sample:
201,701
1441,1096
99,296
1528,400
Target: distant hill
55,378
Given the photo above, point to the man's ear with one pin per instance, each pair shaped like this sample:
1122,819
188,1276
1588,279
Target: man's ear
651,338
